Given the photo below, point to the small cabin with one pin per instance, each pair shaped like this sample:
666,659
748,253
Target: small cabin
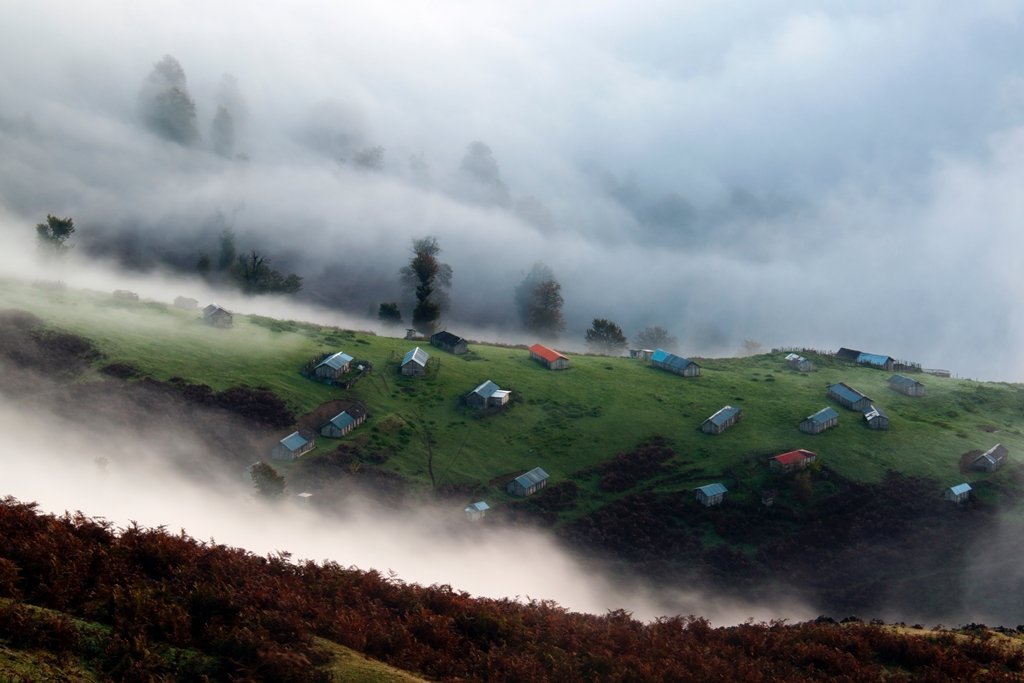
848,397
793,460
826,418
333,366
293,446
711,494
799,363
124,296
216,316
726,417
876,418
906,385
529,483
186,303
342,423
992,459
678,365
488,395
958,494
476,511
874,360
304,498
446,341
549,358
414,363
641,354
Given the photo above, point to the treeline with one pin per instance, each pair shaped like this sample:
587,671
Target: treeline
177,606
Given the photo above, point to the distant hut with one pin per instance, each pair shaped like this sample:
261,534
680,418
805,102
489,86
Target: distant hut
906,385
992,459
124,296
186,303
529,483
958,494
293,446
876,418
446,341
848,397
874,360
488,395
334,366
414,363
549,358
793,460
343,423
674,364
726,417
799,363
476,511
641,354
216,316
826,418
711,494
304,497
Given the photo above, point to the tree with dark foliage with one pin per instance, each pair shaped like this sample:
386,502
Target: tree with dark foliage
604,336
426,275
52,236
268,482
254,275
539,302
389,313
655,337
167,108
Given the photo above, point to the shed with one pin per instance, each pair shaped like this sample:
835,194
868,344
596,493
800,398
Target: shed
342,423
992,459
216,316
414,363
488,395
793,460
875,360
959,493
304,497
550,358
125,296
826,418
292,446
799,363
186,303
711,494
848,397
675,364
528,483
906,385
641,354
476,511
876,418
726,417
334,366
446,341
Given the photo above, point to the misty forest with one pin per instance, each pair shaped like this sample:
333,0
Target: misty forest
511,342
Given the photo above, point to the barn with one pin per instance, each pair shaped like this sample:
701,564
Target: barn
343,423
711,494
992,459
793,460
876,418
293,446
446,341
906,385
848,397
414,363
674,364
959,493
488,395
528,483
334,366
476,511
826,418
799,363
216,316
549,358
726,417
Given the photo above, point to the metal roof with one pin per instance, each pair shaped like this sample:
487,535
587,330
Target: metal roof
846,392
710,490
489,389
479,506
823,415
960,488
724,415
903,381
336,360
670,359
873,359
446,337
342,420
417,355
294,441
794,457
550,355
872,412
534,476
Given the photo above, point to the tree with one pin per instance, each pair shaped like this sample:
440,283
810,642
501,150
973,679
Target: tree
226,258
268,482
222,133
254,275
203,264
655,337
604,336
425,275
479,166
52,236
539,301
167,108
390,314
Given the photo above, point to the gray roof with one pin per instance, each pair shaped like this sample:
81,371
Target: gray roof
534,476
342,420
710,490
846,392
724,415
479,506
294,441
823,415
446,338
960,488
214,308
872,412
336,360
903,381
488,389
417,355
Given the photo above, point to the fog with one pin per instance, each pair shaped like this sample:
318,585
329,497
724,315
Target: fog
794,173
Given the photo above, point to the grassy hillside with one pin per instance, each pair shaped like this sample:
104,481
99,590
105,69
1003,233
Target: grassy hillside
566,421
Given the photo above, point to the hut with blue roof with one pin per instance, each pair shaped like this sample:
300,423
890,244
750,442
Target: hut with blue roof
959,493
848,397
293,446
678,365
528,483
711,494
726,417
342,423
476,511
826,418
333,366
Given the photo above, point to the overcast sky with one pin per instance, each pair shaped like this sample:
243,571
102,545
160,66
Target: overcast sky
798,173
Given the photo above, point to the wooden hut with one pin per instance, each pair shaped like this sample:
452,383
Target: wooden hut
549,358
343,423
793,460
488,395
446,341
414,363
293,446
529,483
726,417
333,366
216,316
906,385
675,364
874,360
992,459
476,511
711,494
641,354
848,397
799,363
826,418
876,418
960,493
